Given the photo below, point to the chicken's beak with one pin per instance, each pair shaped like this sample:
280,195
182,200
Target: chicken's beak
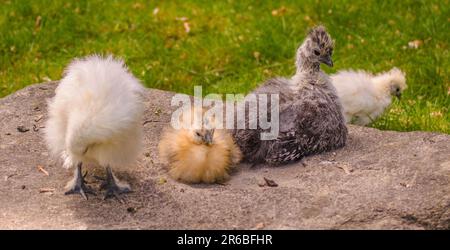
208,139
399,95
327,60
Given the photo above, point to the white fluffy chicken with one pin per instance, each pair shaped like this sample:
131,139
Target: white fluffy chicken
95,117
198,153
364,96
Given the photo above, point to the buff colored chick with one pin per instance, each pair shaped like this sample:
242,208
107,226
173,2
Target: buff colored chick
196,155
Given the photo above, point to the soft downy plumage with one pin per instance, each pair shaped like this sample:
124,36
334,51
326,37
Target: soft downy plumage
198,154
365,96
95,117
311,119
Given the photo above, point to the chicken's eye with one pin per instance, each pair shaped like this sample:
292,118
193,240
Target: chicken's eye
316,52
197,133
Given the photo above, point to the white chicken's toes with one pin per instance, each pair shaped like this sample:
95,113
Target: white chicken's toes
113,186
78,185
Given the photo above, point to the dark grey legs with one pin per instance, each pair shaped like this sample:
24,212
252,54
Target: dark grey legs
77,185
113,186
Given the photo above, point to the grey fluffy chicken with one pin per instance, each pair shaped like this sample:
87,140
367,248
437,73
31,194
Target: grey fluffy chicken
310,118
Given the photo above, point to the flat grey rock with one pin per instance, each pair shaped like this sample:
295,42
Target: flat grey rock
380,180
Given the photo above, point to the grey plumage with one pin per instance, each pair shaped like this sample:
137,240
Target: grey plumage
311,119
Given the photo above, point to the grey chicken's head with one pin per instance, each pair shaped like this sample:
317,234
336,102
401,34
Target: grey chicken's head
203,136
317,48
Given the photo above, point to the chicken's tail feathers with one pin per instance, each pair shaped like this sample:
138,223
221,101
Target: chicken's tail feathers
81,135
92,60
283,151
106,68
85,130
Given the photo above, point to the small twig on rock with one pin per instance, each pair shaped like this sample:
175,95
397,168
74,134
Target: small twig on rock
9,176
259,226
345,167
148,121
38,118
46,190
40,168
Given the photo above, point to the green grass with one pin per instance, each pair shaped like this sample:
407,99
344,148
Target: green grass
234,45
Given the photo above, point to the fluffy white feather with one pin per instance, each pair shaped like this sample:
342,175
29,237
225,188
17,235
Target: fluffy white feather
96,113
364,96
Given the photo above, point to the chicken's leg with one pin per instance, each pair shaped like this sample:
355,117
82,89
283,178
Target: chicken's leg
113,186
77,185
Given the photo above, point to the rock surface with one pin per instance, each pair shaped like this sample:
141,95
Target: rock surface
381,179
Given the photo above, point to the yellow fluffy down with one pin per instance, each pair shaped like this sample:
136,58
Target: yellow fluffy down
194,163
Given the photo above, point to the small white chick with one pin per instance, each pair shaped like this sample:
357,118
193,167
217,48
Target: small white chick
364,96
95,117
